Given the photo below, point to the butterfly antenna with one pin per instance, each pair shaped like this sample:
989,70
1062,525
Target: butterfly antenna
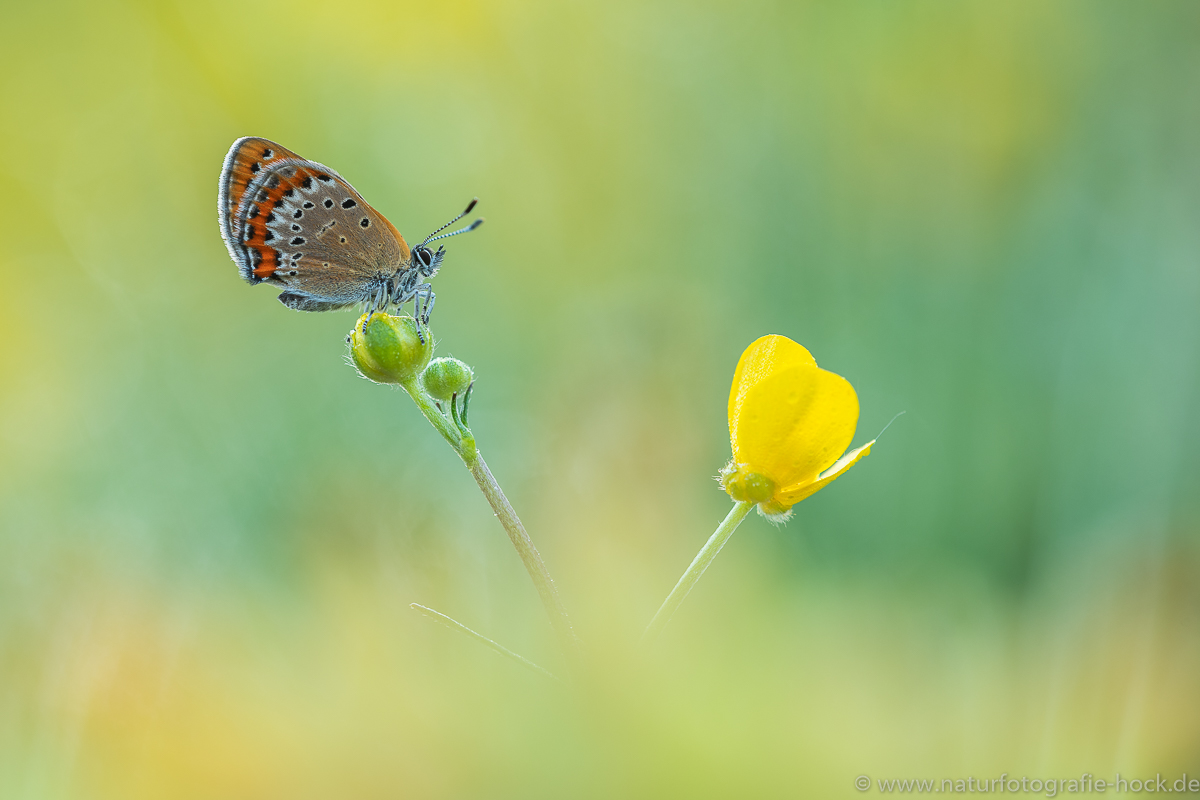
467,229
434,236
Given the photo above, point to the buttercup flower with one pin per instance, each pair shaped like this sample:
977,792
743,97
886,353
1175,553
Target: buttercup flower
790,423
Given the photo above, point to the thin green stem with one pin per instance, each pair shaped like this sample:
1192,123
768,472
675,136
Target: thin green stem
454,624
696,568
463,442
449,431
529,555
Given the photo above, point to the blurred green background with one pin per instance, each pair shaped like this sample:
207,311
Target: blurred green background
983,214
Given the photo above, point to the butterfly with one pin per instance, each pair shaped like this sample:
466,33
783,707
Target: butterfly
301,226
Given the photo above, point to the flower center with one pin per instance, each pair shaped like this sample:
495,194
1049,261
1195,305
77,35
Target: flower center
744,485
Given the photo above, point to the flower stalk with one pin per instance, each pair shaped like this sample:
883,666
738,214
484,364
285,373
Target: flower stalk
455,431
696,568
790,423
397,350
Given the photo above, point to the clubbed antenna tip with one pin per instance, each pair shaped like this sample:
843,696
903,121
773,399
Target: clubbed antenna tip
433,237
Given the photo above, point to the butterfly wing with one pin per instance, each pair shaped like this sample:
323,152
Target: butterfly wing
298,223
243,163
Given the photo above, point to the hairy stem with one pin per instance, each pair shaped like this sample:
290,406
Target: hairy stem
448,430
463,443
528,553
696,568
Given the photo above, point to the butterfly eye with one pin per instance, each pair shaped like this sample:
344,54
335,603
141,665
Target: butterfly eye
425,256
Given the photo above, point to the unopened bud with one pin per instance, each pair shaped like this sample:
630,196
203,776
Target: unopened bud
446,377
390,349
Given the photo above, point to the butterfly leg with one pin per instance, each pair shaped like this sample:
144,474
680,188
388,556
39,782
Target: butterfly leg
368,310
375,302
425,291
403,296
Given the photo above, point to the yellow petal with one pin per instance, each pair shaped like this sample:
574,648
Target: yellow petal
788,419
790,495
763,357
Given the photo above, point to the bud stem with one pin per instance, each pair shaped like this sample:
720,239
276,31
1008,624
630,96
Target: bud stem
464,445
696,568
529,555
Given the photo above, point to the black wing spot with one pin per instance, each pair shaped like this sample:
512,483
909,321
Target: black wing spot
268,237
297,256
306,184
342,239
298,240
328,203
269,218
255,167
288,193
296,227
253,212
323,178
248,234
299,213
348,203
268,153
307,204
366,223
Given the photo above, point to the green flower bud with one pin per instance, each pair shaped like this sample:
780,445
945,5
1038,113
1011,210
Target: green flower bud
446,377
390,349
743,485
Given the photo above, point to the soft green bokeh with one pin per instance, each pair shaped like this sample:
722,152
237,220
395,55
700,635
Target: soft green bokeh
984,214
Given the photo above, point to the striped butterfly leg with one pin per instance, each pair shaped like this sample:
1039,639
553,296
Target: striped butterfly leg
423,292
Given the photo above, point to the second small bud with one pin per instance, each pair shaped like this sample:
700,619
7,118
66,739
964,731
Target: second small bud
446,377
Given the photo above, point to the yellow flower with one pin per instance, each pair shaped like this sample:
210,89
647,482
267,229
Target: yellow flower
790,423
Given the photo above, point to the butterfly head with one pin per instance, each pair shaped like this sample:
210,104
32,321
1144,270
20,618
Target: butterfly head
425,260
428,260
